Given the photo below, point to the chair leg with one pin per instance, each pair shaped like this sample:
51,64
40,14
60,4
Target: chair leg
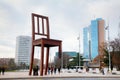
32,60
61,55
60,50
42,60
47,60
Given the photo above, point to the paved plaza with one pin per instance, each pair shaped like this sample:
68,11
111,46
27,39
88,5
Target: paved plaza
66,75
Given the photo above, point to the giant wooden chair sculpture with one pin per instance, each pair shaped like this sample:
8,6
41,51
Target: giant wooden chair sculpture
40,27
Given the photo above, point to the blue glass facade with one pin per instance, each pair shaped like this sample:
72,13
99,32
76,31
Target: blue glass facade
91,43
86,42
94,38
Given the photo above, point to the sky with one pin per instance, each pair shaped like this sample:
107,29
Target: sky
67,18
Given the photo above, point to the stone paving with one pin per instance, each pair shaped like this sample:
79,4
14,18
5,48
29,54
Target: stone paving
65,75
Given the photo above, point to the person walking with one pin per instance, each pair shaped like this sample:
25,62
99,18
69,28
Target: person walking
3,70
59,69
102,70
48,70
35,70
0,70
51,70
54,70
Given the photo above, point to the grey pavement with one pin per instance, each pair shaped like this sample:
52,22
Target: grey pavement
64,75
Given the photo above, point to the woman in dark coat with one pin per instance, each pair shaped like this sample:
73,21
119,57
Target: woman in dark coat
59,69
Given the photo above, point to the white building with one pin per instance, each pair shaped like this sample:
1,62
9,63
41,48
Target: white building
23,50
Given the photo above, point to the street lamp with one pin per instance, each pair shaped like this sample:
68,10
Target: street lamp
107,28
79,51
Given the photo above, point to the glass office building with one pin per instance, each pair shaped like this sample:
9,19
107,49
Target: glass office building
96,38
23,50
70,53
86,42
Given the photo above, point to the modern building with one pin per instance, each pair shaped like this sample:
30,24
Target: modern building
23,50
69,53
67,56
96,35
86,42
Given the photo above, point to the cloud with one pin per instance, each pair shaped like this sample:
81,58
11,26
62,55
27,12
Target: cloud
6,52
67,18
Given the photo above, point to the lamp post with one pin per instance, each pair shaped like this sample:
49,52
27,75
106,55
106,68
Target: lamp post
79,51
107,28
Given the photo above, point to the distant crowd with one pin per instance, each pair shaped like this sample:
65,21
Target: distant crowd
51,70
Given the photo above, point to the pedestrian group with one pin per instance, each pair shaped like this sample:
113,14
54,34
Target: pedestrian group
52,70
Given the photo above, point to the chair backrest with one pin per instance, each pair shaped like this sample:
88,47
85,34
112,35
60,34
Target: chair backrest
40,26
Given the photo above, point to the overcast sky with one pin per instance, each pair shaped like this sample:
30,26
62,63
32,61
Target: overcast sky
67,19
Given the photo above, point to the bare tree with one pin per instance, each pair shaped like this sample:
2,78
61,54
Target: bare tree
115,52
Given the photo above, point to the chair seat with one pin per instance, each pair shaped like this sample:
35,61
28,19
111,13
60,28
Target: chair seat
47,42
